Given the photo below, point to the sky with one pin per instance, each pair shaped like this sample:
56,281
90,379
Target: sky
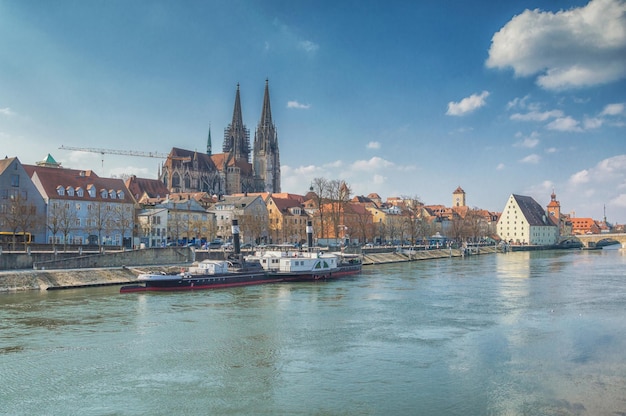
398,98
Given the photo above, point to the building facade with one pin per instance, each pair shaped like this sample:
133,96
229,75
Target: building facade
250,211
524,221
21,204
83,208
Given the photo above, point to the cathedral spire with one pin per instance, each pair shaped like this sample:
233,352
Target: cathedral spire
209,146
236,135
237,117
266,112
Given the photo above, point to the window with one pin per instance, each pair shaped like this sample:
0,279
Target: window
60,190
70,191
104,193
15,180
120,194
79,192
112,194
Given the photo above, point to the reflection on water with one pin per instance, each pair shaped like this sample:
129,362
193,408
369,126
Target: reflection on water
511,334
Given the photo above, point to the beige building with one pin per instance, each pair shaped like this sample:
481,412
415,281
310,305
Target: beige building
524,221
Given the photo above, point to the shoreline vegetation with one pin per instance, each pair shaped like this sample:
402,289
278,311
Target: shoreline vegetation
23,280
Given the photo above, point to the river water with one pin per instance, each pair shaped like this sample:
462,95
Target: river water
540,333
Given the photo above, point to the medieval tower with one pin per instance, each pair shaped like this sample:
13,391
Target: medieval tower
266,158
458,197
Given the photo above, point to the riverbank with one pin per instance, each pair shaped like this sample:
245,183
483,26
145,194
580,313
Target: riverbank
22,280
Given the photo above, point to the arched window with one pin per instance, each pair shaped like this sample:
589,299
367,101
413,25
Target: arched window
175,180
187,181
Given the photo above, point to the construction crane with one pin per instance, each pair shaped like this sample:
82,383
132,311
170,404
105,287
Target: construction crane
125,153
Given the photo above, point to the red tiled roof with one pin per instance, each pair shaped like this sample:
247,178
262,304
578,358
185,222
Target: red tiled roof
51,178
151,188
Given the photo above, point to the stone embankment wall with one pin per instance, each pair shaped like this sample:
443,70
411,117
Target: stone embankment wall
74,259
118,269
156,256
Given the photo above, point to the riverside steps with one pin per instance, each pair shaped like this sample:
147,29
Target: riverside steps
120,268
395,255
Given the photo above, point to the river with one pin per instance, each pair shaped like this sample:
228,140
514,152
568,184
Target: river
528,333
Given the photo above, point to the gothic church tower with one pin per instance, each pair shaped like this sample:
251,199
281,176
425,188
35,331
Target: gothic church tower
266,157
236,135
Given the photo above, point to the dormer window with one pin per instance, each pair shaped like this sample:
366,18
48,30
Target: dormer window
80,192
104,193
120,194
112,194
92,190
60,190
70,191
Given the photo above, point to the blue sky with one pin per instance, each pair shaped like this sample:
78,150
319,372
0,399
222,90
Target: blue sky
400,98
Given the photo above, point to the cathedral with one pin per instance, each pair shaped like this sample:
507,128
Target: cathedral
235,170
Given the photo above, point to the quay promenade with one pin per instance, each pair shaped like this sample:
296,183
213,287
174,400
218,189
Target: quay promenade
50,279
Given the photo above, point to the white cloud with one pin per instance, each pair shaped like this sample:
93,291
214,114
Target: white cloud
378,179
537,115
619,201
579,177
371,164
296,104
335,164
373,145
573,48
592,122
308,46
528,142
610,170
500,166
551,150
613,110
533,159
564,124
467,104
517,102
7,112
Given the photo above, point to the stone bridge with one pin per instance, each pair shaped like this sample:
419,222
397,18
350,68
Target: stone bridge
591,240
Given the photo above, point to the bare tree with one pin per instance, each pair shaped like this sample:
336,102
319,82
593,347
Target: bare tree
175,225
338,197
54,221
412,217
123,215
362,226
320,188
67,222
98,219
394,227
19,216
